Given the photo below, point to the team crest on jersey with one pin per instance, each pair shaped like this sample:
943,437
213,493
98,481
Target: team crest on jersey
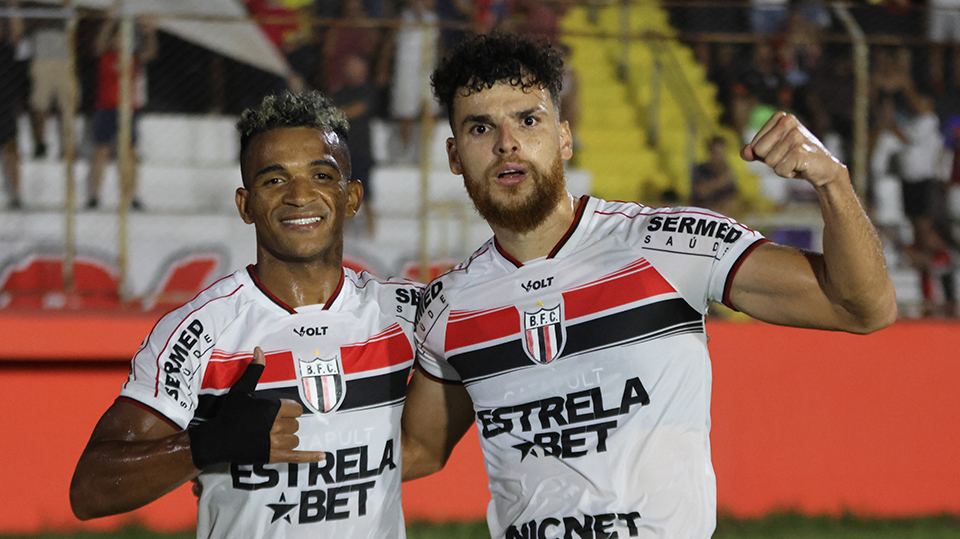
544,334
322,385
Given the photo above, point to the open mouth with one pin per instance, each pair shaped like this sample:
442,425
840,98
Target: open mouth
511,173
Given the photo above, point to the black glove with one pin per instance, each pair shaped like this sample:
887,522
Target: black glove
240,433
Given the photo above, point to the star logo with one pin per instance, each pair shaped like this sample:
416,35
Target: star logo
280,510
526,448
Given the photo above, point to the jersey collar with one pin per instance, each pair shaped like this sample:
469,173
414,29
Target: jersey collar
252,272
571,237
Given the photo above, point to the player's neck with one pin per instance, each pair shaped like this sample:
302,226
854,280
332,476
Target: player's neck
537,243
298,284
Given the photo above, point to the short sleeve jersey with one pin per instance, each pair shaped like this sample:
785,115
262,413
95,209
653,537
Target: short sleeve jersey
346,362
589,371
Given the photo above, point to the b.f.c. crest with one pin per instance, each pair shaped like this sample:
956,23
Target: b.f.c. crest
544,334
322,386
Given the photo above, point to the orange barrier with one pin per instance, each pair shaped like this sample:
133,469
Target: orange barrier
813,421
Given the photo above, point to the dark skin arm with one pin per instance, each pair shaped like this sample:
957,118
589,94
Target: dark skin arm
847,288
134,457
435,418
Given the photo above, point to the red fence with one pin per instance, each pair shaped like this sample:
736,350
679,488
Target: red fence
812,421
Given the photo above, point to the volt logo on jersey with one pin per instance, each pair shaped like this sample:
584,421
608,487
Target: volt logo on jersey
321,383
544,333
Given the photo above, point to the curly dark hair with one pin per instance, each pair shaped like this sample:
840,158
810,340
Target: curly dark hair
479,62
308,109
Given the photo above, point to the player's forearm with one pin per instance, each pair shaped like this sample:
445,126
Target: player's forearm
418,463
114,477
854,275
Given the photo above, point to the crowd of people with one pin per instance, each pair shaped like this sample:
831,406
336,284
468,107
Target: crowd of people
792,55
373,58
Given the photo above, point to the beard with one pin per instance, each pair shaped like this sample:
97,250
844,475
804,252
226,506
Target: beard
516,214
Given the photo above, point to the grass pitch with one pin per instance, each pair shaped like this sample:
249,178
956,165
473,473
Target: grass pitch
782,526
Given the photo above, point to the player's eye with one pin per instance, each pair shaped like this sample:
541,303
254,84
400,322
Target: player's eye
478,129
530,121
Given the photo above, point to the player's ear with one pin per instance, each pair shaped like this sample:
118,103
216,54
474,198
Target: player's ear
453,156
354,197
566,141
242,198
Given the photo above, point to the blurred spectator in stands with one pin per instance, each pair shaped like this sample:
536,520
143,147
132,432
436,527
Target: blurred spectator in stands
54,82
935,257
456,16
924,192
938,263
491,14
814,12
890,80
415,53
716,57
763,78
712,183
919,157
106,118
767,16
725,67
799,48
11,31
952,137
352,35
943,30
700,21
359,100
887,17
290,30
828,99
742,103
537,20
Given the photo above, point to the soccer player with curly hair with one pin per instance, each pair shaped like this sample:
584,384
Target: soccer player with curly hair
574,338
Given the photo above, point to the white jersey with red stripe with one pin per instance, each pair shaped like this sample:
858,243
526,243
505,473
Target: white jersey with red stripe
589,370
347,362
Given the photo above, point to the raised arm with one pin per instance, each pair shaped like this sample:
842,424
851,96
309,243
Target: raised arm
847,287
135,457
435,417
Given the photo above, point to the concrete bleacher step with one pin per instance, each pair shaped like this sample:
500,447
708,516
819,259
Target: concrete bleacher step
162,188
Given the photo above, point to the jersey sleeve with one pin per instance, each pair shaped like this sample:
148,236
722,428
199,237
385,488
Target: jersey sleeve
401,300
431,322
165,372
697,251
